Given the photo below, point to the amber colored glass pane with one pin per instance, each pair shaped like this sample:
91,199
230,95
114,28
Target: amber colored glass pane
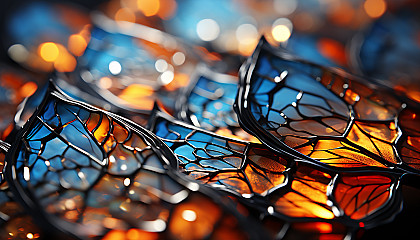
376,138
230,180
261,181
328,115
265,170
368,103
99,126
307,196
338,154
359,195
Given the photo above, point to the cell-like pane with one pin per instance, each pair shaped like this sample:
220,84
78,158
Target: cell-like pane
306,196
208,103
290,189
360,195
91,172
232,165
321,114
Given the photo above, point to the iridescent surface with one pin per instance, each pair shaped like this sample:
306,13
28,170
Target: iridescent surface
208,103
283,187
326,115
91,172
224,163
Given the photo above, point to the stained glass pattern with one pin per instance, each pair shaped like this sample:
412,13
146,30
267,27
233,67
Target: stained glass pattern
219,161
323,115
208,103
93,173
284,187
289,147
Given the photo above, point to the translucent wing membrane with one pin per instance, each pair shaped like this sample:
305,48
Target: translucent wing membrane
208,103
93,173
360,195
283,187
233,165
323,115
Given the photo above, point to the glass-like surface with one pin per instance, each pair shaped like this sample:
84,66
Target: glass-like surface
208,103
93,173
279,185
325,116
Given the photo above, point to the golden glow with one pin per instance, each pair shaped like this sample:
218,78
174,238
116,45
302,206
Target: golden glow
374,189
148,7
133,234
115,235
167,9
246,48
321,212
77,44
102,131
323,227
295,205
189,215
320,227
66,63
206,213
415,95
28,89
281,33
125,14
30,236
374,8
136,93
48,51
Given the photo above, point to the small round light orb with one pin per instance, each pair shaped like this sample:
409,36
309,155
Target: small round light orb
208,29
115,67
